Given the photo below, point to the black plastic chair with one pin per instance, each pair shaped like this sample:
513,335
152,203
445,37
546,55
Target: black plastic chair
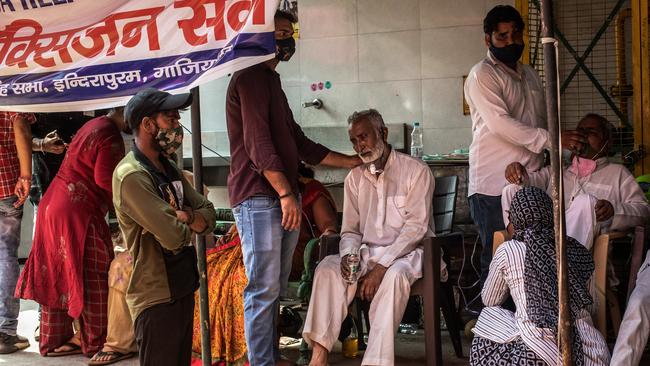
444,209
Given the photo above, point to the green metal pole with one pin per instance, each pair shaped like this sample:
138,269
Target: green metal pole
580,60
592,44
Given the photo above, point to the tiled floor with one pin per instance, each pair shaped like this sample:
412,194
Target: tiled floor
410,349
27,322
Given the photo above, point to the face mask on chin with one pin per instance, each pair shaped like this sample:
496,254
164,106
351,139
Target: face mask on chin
584,167
169,139
508,54
285,48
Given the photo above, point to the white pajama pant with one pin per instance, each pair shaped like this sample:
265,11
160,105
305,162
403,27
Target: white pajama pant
330,299
635,327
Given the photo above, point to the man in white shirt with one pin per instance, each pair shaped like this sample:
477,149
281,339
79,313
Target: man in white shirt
598,195
506,100
386,213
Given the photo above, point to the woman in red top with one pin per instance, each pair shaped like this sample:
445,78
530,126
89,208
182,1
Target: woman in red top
67,269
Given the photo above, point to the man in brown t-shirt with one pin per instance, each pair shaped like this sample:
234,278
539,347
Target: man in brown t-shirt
266,146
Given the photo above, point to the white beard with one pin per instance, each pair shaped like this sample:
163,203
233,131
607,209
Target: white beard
375,154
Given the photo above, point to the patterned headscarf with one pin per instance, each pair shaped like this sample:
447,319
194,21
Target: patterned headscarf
531,215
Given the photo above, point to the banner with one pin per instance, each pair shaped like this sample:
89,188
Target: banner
78,55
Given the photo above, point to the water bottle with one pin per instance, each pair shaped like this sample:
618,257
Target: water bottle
416,141
351,343
352,263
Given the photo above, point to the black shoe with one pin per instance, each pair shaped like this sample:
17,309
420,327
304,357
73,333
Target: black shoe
11,344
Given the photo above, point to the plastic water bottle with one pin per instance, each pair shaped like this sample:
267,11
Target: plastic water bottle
351,343
416,141
352,262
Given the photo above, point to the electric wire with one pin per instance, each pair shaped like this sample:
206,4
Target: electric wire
476,271
207,148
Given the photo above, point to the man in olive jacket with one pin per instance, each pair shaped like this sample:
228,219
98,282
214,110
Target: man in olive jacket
158,211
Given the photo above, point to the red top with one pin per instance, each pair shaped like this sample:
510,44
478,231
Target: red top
9,164
71,219
263,134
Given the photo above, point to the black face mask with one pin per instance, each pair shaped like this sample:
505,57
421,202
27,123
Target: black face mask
508,54
285,48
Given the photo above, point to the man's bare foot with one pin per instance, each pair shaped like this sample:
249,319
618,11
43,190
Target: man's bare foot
318,355
71,347
68,346
109,357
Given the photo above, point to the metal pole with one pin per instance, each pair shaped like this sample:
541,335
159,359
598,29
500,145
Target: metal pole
197,167
557,188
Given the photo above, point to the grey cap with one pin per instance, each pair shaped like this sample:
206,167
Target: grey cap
149,101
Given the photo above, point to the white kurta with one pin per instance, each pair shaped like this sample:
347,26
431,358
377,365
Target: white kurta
508,122
611,182
385,217
502,326
635,327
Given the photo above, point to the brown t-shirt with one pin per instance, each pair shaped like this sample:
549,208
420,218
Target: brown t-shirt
263,134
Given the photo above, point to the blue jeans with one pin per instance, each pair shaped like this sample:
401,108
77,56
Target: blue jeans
267,249
9,240
487,215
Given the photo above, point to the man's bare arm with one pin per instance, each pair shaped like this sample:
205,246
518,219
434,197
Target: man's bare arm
291,212
339,160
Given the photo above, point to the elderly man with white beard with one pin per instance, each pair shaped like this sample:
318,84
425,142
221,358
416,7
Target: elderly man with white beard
386,213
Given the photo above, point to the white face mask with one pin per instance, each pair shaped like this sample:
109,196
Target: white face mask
375,154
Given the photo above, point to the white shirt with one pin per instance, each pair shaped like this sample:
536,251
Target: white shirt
503,326
611,182
390,214
508,122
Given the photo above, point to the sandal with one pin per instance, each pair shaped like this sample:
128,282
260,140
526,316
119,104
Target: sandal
113,357
74,350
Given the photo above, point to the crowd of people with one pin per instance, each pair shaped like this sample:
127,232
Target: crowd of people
111,296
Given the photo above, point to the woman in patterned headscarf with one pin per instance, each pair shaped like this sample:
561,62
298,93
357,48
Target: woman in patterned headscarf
525,268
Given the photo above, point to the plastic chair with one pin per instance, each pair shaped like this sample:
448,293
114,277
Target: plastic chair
444,209
444,204
637,257
428,287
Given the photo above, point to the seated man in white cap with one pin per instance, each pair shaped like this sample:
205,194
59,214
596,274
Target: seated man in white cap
386,213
